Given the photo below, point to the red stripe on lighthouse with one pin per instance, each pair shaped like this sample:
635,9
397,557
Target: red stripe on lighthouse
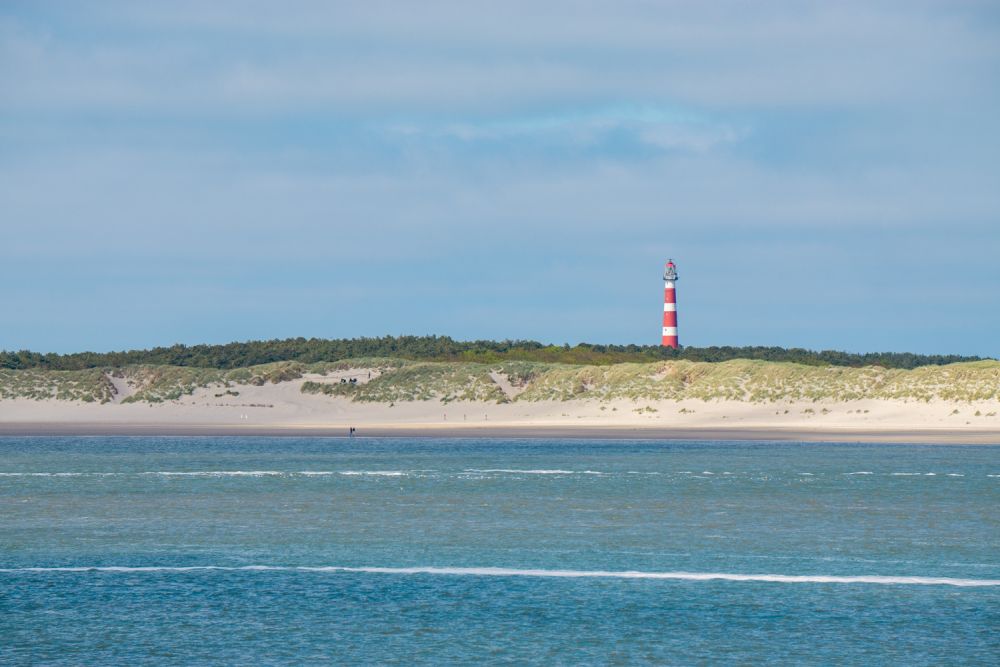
670,307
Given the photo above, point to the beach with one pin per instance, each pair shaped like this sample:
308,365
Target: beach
283,409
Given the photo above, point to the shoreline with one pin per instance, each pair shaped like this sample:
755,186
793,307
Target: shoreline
943,436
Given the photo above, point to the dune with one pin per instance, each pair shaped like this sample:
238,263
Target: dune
958,403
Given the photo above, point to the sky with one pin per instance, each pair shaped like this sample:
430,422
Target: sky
825,175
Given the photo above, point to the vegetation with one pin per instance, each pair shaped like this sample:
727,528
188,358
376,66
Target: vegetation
396,380
761,381
449,381
443,348
88,385
155,384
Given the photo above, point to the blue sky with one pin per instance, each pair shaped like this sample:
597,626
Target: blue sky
826,175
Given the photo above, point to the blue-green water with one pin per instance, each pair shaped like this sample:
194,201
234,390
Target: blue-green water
308,551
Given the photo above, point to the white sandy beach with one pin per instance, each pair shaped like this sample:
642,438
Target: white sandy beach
283,407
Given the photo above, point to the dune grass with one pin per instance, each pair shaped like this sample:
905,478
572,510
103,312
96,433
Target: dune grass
398,380
90,385
737,380
416,381
156,384
764,381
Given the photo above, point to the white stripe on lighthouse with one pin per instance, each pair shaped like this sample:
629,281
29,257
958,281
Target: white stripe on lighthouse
668,307
669,331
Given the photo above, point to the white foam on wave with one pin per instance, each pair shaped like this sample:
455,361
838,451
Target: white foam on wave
48,474
60,474
515,471
564,574
375,473
546,471
349,473
399,473
263,473
215,473
289,473
209,473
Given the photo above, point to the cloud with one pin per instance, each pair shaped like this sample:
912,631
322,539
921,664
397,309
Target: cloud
603,129
359,58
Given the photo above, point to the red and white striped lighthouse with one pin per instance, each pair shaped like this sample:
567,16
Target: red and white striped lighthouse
670,305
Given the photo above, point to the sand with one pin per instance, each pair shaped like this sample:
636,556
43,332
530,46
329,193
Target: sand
282,409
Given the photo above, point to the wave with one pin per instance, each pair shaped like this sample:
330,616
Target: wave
292,473
209,473
216,473
401,473
385,473
57,474
559,574
536,472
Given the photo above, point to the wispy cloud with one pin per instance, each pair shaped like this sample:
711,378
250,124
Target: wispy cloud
479,58
651,127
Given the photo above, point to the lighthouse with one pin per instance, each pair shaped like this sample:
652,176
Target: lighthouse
670,305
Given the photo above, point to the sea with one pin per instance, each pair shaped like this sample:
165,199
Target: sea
311,551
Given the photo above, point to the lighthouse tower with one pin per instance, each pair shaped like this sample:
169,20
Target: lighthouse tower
670,305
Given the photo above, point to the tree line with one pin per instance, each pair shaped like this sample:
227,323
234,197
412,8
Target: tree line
444,348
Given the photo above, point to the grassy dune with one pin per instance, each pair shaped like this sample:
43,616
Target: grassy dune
155,384
400,380
763,381
91,385
414,381
738,380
